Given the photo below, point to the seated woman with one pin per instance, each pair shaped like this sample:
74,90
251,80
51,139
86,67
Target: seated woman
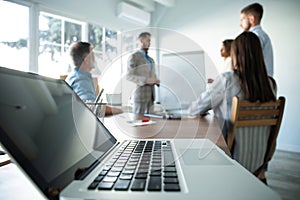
80,79
247,80
225,53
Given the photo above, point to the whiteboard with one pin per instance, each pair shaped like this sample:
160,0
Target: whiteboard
182,77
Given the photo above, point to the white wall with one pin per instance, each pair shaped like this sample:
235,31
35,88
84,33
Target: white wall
101,12
210,23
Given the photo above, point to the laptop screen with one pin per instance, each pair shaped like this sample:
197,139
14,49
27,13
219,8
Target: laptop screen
47,129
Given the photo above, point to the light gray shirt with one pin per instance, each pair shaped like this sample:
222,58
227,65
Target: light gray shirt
219,98
267,48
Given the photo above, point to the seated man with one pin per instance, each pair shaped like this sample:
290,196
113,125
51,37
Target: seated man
80,79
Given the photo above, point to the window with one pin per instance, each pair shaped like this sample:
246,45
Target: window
46,51
119,46
111,76
95,37
111,45
56,34
14,34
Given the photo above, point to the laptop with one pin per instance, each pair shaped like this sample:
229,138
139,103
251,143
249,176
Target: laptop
67,153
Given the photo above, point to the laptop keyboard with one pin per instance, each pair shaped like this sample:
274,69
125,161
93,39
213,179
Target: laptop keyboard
139,166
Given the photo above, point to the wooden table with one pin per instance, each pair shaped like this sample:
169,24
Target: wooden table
121,127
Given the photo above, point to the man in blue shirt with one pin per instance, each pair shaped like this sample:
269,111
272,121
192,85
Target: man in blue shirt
250,19
80,79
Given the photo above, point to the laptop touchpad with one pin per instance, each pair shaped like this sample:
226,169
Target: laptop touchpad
203,156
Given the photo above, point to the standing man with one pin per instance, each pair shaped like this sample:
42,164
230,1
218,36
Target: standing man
141,71
250,20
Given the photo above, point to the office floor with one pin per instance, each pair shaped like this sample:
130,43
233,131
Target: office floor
283,174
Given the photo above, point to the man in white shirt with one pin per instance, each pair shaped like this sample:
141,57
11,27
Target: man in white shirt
250,19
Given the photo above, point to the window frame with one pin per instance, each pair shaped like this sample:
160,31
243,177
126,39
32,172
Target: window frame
62,45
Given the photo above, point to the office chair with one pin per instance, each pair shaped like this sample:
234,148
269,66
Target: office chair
253,131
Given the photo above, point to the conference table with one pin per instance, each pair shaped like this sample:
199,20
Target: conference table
128,126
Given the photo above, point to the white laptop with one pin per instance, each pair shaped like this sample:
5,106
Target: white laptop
69,154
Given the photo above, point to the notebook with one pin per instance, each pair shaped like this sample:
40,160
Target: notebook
170,114
67,153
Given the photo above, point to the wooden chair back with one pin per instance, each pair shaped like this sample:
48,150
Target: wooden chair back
255,114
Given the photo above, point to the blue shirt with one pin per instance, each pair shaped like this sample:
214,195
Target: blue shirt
82,83
148,61
267,48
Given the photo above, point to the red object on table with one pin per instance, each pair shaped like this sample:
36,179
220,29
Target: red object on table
145,120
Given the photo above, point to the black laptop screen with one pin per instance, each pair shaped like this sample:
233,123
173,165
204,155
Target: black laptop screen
47,128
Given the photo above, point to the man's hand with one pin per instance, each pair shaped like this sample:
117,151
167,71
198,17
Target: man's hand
152,81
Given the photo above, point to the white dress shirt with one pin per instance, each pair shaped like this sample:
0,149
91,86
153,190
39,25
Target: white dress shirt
267,48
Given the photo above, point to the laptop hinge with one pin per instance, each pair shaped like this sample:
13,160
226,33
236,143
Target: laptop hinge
81,173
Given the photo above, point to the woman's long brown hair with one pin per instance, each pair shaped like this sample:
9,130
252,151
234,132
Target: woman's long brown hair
249,65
